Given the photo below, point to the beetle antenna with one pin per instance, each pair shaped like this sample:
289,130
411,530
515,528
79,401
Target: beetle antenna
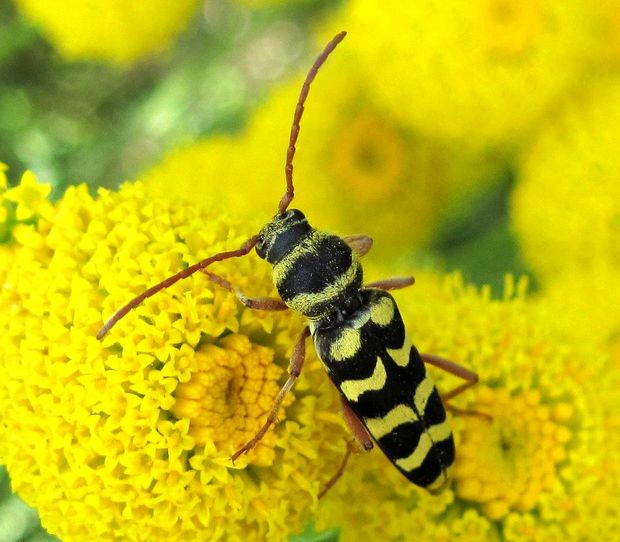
299,110
241,251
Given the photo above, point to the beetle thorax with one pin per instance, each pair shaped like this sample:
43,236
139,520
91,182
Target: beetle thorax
315,272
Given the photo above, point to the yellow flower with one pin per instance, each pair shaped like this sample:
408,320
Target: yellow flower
524,475
109,30
130,438
566,210
566,207
357,169
21,204
483,71
29,195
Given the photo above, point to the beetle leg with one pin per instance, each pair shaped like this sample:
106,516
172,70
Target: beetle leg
257,303
393,283
454,369
461,372
340,471
361,443
294,370
355,425
359,243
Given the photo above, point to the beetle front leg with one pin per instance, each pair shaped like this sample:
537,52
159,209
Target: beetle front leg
359,243
256,303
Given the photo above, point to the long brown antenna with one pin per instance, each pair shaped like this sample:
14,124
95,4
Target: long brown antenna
241,251
299,110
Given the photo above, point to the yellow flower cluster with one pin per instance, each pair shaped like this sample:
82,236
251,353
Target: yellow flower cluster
130,438
526,474
110,30
566,210
483,70
356,165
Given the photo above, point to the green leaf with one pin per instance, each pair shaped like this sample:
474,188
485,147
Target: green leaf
310,535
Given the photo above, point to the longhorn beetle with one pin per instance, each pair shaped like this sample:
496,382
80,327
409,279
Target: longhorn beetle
357,330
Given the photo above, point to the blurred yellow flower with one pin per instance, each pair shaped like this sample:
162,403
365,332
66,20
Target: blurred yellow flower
566,210
357,169
525,475
130,438
606,26
482,71
110,30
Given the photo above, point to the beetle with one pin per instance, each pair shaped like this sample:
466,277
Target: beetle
358,333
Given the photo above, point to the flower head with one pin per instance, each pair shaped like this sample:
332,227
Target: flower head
572,164
110,30
130,438
566,210
466,70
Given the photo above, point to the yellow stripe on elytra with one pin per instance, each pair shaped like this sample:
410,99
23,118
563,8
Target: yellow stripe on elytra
441,482
352,389
435,433
382,311
422,393
401,355
399,415
307,246
346,344
305,302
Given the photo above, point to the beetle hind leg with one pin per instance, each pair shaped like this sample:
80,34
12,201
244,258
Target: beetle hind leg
455,369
